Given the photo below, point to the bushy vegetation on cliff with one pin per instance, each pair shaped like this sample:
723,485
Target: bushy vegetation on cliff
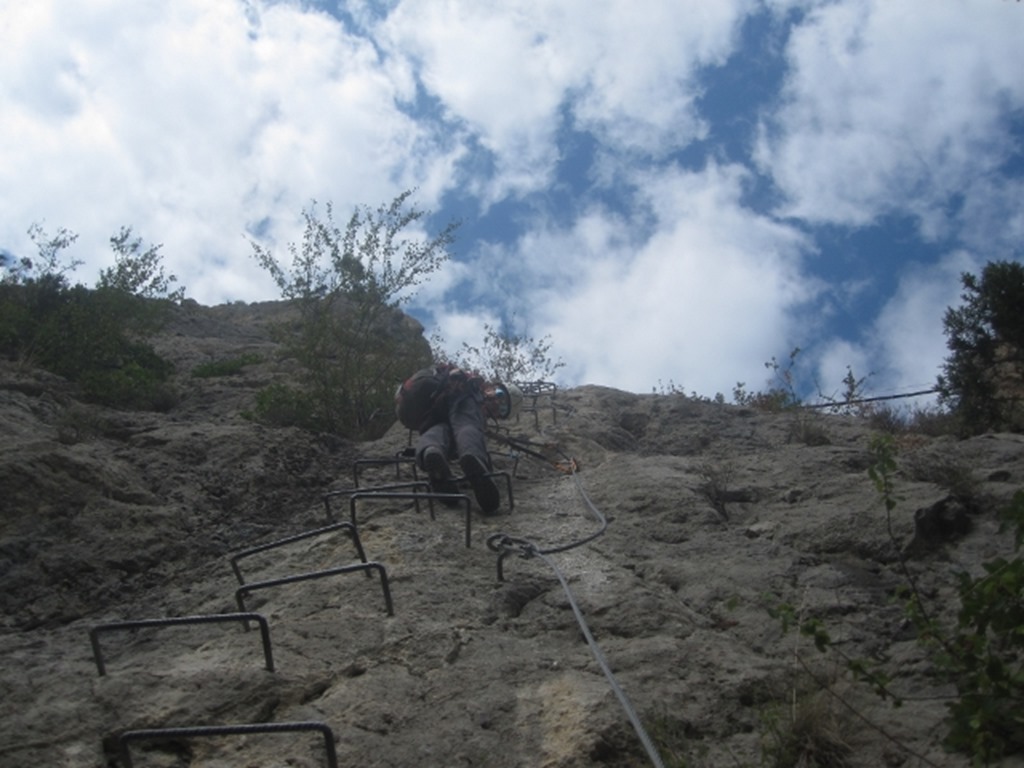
95,337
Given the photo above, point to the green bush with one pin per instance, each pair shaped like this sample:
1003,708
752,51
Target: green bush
503,356
807,731
89,336
982,655
781,393
283,406
139,384
230,367
351,340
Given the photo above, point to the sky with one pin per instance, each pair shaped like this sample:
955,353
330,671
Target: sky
673,192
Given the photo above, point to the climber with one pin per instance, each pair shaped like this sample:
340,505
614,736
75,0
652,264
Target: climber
449,408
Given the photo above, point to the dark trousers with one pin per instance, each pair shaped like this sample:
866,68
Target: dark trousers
462,434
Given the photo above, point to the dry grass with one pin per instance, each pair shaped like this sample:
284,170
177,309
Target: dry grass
806,732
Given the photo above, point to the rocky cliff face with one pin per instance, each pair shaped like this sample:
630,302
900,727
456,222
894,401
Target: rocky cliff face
715,515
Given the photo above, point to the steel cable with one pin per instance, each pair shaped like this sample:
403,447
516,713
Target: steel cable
641,732
504,543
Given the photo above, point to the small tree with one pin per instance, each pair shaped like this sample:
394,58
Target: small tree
850,402
49,263
781,393
351,341
138,272
982,379
505,356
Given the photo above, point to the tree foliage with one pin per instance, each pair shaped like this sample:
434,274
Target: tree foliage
504,356
781,393
350,339
138,272
89,336
982,379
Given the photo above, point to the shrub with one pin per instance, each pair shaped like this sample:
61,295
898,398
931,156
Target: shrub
806,732
285,406
138,272
933,421
983,654
351,340
90,336
230,367
781,393
504,356
139,384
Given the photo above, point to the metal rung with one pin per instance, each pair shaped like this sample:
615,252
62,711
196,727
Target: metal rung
400,458
245,618
419,485
535,388
226,730
535,410
350,527
431,497
534,391
242,591
355,496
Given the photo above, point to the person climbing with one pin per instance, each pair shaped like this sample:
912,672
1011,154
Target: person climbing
449,408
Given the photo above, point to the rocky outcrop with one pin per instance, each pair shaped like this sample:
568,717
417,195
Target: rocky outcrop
715,515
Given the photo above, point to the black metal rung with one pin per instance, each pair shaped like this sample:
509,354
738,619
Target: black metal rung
422,485
534,390
384,492
431,497
226,730
400,458
256,585
244,618
350,527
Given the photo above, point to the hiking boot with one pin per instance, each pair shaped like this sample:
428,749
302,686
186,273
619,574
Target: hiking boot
484,489
440,474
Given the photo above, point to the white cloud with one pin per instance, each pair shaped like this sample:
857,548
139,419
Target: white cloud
908,333
839,359
197,121
905,347
194,120
639,68
702,302
507,70
892,106
991,221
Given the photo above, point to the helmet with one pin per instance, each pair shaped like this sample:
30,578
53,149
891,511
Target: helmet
509,399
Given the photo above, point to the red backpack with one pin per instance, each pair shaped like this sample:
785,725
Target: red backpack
419,402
